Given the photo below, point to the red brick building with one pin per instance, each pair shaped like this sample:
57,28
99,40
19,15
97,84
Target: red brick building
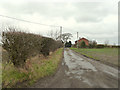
83,39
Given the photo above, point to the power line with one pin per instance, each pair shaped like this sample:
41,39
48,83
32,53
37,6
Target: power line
71,29
35,23
28,21
67,28
32,22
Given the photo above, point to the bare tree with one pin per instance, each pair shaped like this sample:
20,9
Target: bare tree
54,35
106,42
65,37
50,33
92,44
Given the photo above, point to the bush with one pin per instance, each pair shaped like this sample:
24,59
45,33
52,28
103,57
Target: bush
45,46
82,44
100,46
92,44
20,45
74,45
114,46
68,44
49,45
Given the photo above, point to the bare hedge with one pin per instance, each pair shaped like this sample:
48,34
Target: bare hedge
21,45
49,45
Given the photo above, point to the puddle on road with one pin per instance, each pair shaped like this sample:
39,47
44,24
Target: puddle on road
76,65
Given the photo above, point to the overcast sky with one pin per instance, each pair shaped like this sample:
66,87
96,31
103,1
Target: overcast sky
93,19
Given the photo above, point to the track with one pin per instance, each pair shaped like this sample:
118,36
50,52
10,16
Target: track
77,71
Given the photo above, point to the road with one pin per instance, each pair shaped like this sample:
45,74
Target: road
77,71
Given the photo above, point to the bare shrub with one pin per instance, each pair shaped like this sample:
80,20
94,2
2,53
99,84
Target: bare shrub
49,45
20,45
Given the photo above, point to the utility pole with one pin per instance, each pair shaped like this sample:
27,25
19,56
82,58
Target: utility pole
61,35
77,39
60,32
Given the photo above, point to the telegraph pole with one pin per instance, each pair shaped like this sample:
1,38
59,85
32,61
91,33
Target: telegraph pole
60,32
77,39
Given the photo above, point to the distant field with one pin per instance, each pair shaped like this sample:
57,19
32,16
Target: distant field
109,55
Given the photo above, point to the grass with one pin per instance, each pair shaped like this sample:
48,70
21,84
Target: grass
107,55
36,68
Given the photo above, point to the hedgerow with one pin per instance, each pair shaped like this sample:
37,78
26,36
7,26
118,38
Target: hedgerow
21,45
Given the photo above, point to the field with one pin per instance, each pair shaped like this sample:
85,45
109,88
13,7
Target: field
105,55
37,67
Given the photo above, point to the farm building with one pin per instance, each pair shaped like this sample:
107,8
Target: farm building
83,39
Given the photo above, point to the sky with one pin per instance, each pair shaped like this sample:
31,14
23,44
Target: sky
92,19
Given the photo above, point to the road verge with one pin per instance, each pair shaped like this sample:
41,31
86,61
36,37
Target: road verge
37,68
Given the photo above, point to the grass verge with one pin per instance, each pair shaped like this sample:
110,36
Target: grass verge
105,55
35,69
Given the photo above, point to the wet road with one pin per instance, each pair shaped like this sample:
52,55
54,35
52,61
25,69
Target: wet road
90,72
77,71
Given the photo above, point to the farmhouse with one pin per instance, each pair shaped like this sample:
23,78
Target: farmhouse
83,39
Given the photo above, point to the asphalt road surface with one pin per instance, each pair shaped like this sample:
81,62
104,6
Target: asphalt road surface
77,71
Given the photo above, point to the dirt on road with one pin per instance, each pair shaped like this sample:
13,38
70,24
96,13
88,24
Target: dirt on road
77,71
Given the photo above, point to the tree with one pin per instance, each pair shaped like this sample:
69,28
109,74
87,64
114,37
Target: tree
65,37
54,35
82,45
92,44
106,42
68,44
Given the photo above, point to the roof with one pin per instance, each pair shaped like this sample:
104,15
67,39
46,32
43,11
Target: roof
84,39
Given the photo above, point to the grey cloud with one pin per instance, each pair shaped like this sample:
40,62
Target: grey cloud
87,12
88,19
82,12
46,9
93,11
